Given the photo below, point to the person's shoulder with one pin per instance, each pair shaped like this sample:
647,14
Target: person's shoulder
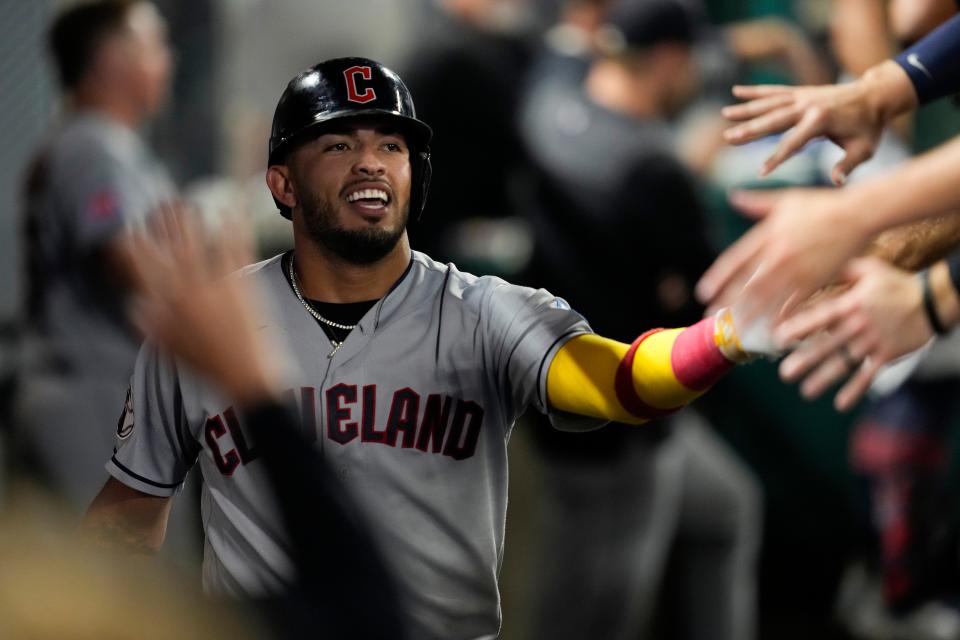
489,297
472,290
454,280
458,287
90,140
264,269
649,151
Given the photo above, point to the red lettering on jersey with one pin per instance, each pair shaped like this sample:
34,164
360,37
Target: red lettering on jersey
353,95
368,432
462,440
212,431
337,413
403,417
433,431
247,453
434,424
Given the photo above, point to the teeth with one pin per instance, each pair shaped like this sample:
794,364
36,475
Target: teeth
368,194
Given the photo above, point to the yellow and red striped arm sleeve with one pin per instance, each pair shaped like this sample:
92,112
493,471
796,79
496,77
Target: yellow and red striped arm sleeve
663,370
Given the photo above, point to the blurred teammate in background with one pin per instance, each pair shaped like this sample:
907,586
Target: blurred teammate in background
92,179
614,205
466,72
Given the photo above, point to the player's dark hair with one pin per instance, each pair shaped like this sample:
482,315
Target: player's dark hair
77,33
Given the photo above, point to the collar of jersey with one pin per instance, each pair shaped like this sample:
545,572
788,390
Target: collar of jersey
392,300
388,305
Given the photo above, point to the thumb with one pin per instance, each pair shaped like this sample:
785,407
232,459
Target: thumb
856,155
755,204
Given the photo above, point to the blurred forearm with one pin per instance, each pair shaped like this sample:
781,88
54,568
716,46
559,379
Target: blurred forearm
859,34
773,39
922,188
125,520
919,244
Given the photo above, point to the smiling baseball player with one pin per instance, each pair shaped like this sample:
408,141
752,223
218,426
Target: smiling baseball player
411,373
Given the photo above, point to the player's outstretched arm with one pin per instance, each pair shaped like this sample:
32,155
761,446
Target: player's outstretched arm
126,520
662,371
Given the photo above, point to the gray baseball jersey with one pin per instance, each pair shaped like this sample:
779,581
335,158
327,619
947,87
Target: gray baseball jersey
414,412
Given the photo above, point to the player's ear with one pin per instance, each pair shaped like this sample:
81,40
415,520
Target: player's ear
281,186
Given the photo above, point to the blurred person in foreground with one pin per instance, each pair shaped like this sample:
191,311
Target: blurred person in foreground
56,586
92,179
372,328
615,213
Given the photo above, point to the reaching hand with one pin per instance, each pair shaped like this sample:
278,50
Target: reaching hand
189,303
851,115
803,240
853,334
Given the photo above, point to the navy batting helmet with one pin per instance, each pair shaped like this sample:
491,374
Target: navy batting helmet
350,88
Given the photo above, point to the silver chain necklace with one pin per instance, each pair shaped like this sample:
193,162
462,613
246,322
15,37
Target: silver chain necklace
316,314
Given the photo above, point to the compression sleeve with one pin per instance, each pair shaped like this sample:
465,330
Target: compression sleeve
933,63
663,370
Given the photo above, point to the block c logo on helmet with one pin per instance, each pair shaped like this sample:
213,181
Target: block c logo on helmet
350,75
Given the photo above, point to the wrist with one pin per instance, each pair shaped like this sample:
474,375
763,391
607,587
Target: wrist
864,210
697,359
886,91
857,210
725,337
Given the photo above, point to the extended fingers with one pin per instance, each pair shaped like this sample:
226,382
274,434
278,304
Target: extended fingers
754,108
772,122
754,91
833,369
856,155
236,243
735,264
857,385
765,294
812,352
809,127
150,264
756,203
815,318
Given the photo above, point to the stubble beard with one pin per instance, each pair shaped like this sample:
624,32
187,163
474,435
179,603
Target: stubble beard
355,246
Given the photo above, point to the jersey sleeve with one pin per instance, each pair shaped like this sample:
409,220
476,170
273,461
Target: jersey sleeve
154,447
526,329
931,63
103,194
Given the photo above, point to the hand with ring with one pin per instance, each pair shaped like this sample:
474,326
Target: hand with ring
851,335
